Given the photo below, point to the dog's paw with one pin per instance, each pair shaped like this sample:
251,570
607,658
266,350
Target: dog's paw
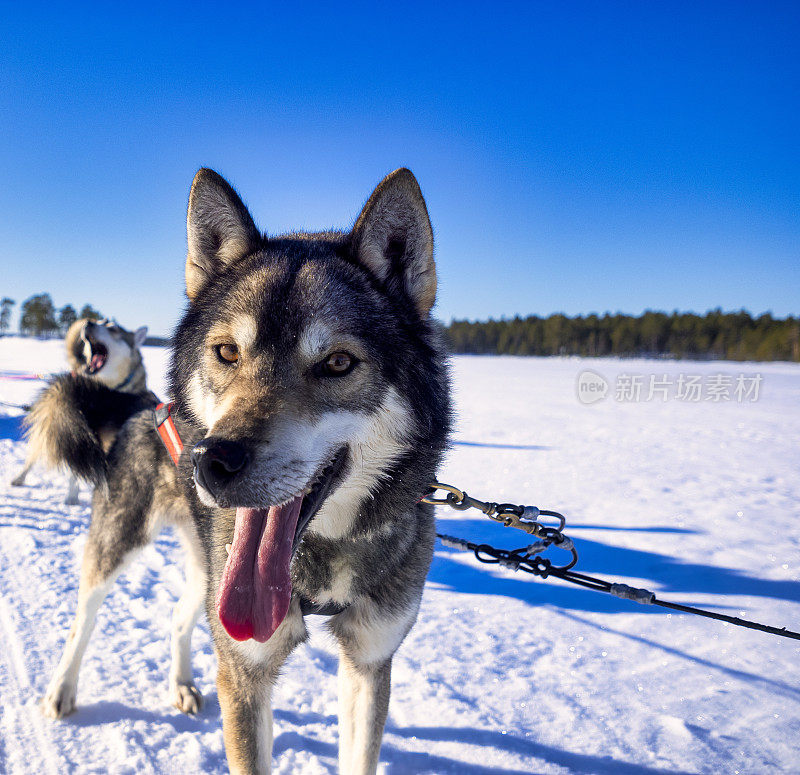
19,481
59,701
186,698
72,500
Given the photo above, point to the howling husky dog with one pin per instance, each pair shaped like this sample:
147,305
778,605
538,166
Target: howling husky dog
311,397
103,351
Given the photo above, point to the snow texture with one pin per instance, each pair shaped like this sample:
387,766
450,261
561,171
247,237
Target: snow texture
503,674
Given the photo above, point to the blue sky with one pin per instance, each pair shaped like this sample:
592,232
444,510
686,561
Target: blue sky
576,157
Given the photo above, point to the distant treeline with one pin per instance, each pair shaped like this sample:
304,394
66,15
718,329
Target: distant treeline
717,334
156,341
39,316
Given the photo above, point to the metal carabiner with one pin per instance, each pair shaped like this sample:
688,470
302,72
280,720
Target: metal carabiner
560,517
451,491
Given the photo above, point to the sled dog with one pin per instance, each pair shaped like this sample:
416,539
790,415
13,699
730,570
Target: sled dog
311,399
104,351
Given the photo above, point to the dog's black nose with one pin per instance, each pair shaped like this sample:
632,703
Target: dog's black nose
217,462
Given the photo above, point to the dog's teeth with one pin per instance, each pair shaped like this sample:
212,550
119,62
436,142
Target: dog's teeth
228,548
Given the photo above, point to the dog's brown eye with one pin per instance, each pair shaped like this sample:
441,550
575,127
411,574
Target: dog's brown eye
339,364
228,353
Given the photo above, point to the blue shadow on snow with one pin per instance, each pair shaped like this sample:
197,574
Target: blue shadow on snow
666,575
11,427
404,762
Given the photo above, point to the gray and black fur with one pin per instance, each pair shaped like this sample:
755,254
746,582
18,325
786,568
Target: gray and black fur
75,420
285,304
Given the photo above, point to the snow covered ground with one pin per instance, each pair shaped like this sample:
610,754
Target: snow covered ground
503,674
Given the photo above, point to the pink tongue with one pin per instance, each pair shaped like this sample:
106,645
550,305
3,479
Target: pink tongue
97,362
255,590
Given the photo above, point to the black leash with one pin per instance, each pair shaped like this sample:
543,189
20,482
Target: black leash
526,558
542,567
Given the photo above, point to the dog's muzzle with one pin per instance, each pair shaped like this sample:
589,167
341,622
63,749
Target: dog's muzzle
217,463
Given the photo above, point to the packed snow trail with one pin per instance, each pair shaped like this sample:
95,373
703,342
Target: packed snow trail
503,674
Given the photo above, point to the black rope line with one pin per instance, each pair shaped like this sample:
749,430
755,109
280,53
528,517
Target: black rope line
520,559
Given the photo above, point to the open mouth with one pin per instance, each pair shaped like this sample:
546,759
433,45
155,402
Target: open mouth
256,589
98,357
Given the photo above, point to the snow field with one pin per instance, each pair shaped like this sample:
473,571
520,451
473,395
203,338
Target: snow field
503,673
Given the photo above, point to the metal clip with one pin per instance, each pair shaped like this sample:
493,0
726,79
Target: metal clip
449,489
523,518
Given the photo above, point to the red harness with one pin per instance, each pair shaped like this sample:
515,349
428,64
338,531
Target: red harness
165,427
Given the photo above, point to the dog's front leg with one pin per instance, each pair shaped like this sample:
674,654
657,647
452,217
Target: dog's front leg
183,693
363,707
247,672
246,705
367,642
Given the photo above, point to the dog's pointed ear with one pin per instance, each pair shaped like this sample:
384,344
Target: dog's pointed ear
393,238
139,336
219,229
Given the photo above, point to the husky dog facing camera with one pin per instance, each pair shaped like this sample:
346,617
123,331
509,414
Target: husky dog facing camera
101,350
312,401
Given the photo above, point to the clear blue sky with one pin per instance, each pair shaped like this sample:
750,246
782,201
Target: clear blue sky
576,157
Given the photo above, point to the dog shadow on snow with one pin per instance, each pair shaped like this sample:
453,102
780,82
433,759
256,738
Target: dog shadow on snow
399,761
394,759
103,712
